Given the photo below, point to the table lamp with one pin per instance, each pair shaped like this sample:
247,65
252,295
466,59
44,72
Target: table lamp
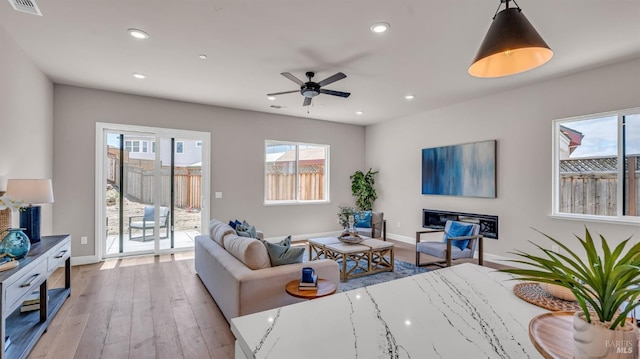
31,191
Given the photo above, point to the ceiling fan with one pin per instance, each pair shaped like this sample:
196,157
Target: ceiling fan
312,89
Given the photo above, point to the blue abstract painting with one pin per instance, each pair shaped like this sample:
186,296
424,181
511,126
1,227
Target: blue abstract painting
467,170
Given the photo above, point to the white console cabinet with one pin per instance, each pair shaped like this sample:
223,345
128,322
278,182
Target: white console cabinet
24,329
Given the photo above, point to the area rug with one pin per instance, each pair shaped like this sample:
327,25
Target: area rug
402,269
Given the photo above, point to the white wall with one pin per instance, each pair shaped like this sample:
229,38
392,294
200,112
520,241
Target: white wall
237,158
520,121
26,122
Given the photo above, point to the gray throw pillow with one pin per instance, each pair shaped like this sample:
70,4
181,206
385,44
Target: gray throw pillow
282,253
246,230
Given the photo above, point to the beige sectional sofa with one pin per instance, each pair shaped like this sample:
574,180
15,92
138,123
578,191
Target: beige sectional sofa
238,274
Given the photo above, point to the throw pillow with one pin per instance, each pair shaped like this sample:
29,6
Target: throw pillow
234,223
363,219
244,229
457,229
282,253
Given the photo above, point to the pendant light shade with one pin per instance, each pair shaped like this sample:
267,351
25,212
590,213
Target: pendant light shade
511,46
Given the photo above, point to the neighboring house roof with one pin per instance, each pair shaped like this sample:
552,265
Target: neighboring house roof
595,164
306,154
575,137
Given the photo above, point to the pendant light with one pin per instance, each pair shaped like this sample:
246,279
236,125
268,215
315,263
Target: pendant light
511,45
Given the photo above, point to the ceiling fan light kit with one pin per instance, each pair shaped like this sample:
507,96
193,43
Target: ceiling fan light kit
512,45
312,89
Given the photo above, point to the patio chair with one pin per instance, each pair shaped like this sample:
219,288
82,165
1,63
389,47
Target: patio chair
459,240
146,222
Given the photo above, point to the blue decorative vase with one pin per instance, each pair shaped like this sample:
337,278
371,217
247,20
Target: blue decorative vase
15,243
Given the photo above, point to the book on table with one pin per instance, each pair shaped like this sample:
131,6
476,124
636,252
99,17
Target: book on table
31,302
309,285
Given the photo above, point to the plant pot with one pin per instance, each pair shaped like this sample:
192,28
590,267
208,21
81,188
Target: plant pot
558,291
596,340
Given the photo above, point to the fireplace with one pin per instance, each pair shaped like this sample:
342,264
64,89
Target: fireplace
436,219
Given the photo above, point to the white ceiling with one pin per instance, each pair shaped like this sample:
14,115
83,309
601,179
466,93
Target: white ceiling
249,43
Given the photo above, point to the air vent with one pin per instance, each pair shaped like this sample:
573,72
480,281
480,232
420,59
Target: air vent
28,6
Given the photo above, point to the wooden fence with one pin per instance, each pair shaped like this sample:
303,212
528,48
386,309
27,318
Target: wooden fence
138,176
595,193
282,186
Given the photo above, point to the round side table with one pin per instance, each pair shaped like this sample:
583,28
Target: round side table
324,288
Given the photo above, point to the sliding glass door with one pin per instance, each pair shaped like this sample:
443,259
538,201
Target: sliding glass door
152,195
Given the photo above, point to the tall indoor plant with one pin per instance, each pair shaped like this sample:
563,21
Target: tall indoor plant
602,286
362,188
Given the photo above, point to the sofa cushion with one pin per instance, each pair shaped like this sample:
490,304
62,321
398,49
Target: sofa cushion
218,230
247,250
282,252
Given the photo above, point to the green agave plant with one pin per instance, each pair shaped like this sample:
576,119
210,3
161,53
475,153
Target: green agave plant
603,283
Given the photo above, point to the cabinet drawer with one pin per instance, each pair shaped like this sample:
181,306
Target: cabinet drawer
28,283
57,258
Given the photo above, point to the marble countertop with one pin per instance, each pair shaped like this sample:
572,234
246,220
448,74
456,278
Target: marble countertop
465,311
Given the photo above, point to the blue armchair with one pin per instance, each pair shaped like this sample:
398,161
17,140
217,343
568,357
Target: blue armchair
460,240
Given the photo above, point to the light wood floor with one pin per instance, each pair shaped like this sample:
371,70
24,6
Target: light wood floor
145,307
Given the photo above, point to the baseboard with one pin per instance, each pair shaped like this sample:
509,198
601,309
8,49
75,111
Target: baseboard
494,258
77,261
401,238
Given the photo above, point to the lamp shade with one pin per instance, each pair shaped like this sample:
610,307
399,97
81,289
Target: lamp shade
31,191
511,46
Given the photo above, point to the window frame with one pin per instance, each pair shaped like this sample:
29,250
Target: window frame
620,217
297,201
181,145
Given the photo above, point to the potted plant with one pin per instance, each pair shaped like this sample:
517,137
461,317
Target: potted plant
362,187
343,215
602,285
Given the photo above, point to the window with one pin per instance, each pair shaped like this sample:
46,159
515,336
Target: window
198,143
179,147
132,146
597,166
144,146
153,147
296,172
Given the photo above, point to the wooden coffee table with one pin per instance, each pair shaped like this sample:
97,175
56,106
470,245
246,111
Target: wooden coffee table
324,288
369,256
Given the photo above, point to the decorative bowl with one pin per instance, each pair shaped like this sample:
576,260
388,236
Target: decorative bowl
350,238
558,291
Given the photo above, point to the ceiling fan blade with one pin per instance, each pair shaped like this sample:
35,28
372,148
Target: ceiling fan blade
282,93
335,93
332,79
307,101
292,78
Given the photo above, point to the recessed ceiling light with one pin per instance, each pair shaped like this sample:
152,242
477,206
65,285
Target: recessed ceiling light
271,98
202,56
380,27
409,97
359,113
139,75
138,34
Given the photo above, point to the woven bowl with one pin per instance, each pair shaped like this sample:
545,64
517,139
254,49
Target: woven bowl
558,291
